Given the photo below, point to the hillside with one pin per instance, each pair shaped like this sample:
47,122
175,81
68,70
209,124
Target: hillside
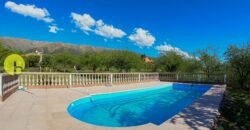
27,46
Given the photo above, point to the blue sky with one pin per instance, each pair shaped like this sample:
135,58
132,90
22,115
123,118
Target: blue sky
143,26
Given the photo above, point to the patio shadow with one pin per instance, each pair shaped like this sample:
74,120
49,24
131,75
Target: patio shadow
200,114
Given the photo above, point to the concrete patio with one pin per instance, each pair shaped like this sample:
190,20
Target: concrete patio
46,109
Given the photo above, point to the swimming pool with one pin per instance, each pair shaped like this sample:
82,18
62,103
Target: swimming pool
136,107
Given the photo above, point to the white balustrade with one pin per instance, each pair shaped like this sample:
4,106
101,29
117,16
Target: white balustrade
82,79
71,79
8,83
193,77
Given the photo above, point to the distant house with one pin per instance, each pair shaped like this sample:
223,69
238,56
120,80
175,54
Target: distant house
148,60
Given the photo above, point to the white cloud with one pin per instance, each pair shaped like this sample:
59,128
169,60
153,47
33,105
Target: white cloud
29,10
109,31
54,29
142,38
167,47
99,23
88,24
85,22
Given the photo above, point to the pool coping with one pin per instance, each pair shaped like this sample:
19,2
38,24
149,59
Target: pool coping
200,114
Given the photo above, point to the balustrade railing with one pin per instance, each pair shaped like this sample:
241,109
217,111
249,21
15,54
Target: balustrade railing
217,78
83,79
8,84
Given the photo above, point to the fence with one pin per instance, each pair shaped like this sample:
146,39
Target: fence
218,78
8,85
82,79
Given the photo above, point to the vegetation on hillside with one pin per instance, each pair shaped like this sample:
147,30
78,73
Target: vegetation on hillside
119,61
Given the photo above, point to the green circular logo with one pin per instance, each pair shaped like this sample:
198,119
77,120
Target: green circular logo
14,64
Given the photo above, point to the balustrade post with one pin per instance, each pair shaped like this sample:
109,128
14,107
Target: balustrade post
225,78
199,77
111,79
70,80
139,77
177,76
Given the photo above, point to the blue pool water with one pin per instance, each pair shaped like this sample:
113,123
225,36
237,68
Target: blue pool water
136,107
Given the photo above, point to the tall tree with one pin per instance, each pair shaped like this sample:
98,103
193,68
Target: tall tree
90,60
239,62
209,60
32,61
126,61
65,61
4,52
191,65
48,61
170,61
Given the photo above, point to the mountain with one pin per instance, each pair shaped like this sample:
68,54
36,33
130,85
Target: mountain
28,46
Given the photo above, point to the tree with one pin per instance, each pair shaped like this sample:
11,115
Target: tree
32,60
64,61
170,61
4,52
107,59
48,61
124,60
90,60
239,62
191,65
209,60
